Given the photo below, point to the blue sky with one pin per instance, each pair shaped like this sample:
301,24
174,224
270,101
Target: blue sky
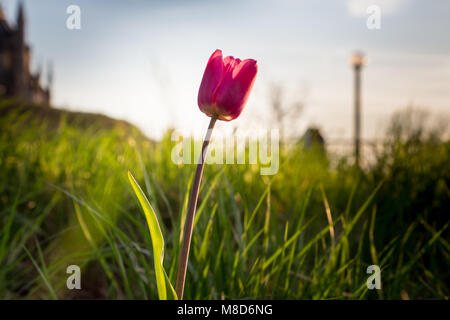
143,60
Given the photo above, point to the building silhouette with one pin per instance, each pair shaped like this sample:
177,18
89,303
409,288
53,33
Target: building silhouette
16,80
313,137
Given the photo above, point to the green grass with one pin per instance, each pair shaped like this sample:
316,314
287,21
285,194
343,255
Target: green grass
308,232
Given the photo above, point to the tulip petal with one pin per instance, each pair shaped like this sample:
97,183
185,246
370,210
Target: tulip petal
210,82
235,88
229,63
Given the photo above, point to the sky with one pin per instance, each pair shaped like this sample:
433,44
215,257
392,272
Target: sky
143,61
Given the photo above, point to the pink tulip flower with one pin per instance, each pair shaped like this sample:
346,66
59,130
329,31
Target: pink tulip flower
226,85
223,93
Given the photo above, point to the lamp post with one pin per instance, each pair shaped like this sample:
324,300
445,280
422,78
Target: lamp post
357,61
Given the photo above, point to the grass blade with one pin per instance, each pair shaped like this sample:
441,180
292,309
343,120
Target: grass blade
157,239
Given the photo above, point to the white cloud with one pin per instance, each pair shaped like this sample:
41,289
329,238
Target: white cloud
358,7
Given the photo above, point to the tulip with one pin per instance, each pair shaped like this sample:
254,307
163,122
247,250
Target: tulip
226,85
224,90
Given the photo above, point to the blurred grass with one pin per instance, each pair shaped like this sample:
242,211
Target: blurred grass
308,232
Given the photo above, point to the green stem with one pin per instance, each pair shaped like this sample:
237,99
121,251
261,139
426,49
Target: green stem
184,254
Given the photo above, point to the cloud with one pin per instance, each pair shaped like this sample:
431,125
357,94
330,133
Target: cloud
358,7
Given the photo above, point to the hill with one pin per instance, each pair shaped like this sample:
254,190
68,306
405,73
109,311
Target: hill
52,117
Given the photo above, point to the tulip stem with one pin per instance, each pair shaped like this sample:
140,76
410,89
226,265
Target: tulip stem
184,254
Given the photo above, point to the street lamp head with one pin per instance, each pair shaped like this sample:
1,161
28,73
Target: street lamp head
358,60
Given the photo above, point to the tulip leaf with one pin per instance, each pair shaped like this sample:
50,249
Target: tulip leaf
157,241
